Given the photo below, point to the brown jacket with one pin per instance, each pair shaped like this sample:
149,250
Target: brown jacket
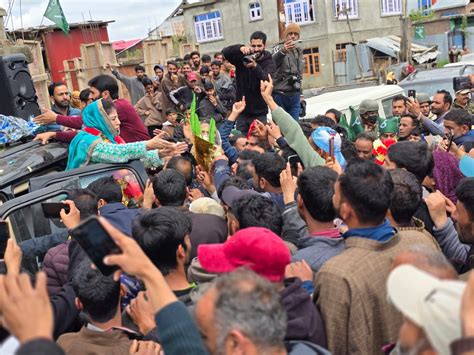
351,294
86,341
153,105
167,85
419,226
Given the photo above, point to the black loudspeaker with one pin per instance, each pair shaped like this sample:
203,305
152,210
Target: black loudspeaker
17,92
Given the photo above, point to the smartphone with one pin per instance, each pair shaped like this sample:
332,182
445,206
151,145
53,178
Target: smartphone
96,242
52,209
331,147
449,137
293,160
412,93
4,235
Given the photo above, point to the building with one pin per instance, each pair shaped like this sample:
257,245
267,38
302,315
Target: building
449,24
57,47
327,26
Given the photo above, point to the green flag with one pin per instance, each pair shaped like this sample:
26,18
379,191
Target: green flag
354,127
55,13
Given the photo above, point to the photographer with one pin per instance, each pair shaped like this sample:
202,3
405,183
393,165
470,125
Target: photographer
290,64
253,63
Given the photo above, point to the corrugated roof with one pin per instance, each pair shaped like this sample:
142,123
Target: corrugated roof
391,46
448,4
122,45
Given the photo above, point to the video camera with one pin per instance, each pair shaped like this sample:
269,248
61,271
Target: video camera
250,58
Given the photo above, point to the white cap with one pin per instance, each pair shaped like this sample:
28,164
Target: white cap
207,205
432,304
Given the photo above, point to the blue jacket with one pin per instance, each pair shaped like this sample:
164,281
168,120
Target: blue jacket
120,216
229,150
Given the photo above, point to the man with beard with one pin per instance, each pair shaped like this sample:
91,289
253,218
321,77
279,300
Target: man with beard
171,81
440,106
253,64
195,61
61,100
408,123
463,100
134,85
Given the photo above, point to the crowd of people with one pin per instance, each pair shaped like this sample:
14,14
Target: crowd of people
257,232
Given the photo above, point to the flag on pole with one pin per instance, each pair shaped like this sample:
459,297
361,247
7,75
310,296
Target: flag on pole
55,13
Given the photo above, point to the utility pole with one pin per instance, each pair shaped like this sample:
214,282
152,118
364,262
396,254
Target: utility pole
405,42
345,11
281,24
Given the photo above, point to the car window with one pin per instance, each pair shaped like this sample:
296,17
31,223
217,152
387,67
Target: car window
131,189
30,222
387,107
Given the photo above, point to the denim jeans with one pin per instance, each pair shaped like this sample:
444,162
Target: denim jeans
290,104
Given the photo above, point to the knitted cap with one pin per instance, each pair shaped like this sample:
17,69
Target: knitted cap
388,125
292,28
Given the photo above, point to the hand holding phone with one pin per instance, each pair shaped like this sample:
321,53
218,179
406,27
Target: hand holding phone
96,242
412,93
331,147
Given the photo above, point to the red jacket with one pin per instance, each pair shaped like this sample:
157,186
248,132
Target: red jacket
132,128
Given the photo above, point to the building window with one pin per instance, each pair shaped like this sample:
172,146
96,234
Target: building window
391,7
255,10
343,7
312,62
208,27
299,11
341,52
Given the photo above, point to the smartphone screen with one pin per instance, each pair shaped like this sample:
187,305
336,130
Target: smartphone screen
96,242
52,209
4,235
331,147
412,93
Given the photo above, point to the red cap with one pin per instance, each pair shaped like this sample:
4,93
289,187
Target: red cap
192,76
257,248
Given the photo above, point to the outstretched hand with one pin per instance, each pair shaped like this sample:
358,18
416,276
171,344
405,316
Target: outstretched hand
266,87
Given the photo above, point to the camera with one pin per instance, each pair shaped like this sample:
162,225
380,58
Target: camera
296,82
461,83
250,58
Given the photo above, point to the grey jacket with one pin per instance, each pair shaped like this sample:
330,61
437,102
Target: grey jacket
134,86
317,249
293,225
288,65
448,240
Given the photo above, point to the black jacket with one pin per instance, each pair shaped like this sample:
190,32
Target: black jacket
248,80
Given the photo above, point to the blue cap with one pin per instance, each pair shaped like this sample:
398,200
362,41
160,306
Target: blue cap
320,137
466,165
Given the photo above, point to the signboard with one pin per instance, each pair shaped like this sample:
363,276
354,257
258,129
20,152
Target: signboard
419,32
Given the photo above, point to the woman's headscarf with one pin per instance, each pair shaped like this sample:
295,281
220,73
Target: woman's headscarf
320,138
446,174
96,128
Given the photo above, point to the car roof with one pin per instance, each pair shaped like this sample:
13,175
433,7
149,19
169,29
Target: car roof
341,100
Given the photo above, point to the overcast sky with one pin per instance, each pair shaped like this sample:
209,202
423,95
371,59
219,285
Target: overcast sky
133,18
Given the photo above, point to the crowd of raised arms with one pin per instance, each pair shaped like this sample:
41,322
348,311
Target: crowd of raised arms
257,232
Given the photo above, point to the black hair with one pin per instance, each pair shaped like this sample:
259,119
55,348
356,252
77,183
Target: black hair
206,58
170,111
193,53
316,188
400,97
447,98
85,201
336,113
174,163
169,187
105,82
366,136
257,211
217,54
306,128
322,121
415,157
157,67
234,139
259,35
367,187
417,131
236,181
172,62
248,154
216,62
269,166
348,150
406,196
160,232
98,294
204,70
414,119
139,67
243,170
459,116
84,95
107,188
147,81
465,194
108,106
187,57
54,85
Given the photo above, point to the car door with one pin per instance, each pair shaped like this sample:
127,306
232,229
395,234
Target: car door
131,177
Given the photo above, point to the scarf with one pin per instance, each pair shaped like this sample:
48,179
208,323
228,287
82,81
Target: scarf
96,128
380,233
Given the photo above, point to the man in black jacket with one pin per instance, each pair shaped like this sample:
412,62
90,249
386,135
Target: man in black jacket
253,63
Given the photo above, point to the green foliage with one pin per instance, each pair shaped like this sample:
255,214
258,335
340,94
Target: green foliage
420,15
442,63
